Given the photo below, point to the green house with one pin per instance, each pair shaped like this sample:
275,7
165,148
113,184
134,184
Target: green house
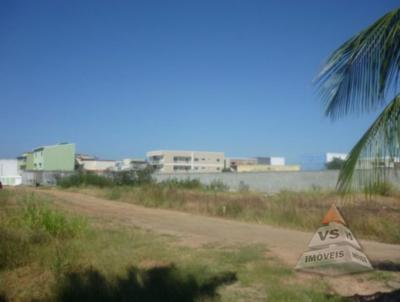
59,157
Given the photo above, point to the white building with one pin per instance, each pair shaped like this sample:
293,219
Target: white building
331,156
97,165
186,161
271,160
9,172
130,164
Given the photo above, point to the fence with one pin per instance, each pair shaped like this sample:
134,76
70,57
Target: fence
32,178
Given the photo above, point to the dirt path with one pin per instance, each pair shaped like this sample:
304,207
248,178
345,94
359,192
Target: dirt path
197,230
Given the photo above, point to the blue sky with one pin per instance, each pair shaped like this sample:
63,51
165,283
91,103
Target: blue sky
119,78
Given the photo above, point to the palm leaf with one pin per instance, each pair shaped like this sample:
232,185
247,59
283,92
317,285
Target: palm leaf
360,73
375,151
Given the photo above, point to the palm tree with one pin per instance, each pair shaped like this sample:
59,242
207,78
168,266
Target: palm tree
362,75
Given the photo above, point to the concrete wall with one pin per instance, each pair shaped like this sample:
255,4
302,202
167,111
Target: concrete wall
9,167
9,172
271,182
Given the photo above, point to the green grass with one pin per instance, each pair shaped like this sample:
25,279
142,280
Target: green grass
58,259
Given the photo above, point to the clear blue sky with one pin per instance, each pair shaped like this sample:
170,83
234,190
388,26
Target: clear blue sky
119,78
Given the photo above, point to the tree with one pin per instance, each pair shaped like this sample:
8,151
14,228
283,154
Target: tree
360,76
335,164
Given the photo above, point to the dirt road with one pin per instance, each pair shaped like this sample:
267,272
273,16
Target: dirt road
197,230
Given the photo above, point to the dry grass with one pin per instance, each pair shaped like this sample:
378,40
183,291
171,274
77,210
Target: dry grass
376,217
113,263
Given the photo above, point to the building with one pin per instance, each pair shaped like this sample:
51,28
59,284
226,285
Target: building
331,156
258,164
10,172
97,165
271,161
240,161
130,164
60,157
25,161
186,161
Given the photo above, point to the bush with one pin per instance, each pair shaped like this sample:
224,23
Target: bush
217,186
182,184
85,179
122,178
383,188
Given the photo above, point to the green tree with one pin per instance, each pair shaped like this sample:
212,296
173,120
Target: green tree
360,76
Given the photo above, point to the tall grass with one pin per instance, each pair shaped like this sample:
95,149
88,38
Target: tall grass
376,217
28,222
38,216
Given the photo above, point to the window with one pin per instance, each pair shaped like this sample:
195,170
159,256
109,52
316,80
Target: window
196,159
218,160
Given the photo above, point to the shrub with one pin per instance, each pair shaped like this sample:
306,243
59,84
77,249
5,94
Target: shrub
217,186
383,188
85,179
182,184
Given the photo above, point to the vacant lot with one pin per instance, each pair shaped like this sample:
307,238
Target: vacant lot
50,255
67,247
374,217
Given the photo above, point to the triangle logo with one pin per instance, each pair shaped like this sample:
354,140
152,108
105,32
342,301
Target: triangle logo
333,215
333,250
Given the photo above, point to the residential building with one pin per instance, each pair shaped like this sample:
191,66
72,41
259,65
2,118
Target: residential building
165,161
60,157
9,172
97,165
25,161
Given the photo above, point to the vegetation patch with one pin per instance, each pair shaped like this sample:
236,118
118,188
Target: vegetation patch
103,262
374,217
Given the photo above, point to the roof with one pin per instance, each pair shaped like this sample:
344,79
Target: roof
52,146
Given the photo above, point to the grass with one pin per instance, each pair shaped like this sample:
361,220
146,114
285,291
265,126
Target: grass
369,217
72,258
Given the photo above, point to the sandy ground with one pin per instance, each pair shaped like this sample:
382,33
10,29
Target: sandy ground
196,230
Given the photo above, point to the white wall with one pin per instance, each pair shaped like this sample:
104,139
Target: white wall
330,156
277,161
98,165
9,173
9,167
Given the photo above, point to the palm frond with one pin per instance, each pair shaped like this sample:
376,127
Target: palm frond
379,148
359,74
